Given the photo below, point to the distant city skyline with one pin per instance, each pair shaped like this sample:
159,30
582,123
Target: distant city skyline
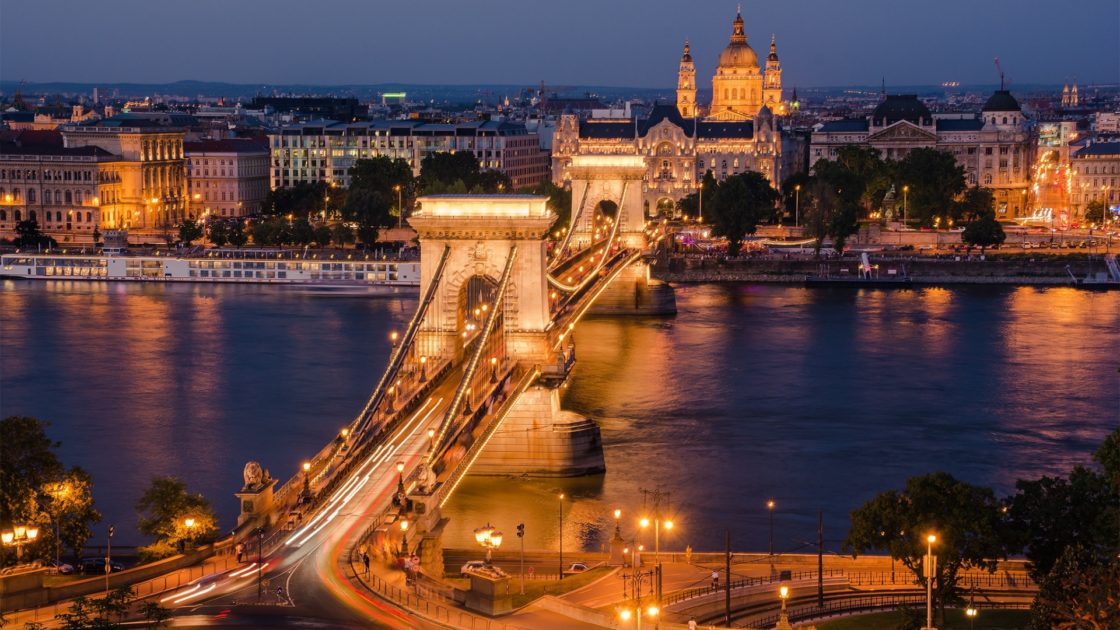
627,43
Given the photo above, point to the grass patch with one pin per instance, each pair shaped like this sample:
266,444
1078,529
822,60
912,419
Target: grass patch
954,620
539,588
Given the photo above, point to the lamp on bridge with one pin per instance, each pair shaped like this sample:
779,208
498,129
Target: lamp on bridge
489,539
423,369
404,536
307,478
783,617
400,480
467,406
493,369
393,338
431,438
390,395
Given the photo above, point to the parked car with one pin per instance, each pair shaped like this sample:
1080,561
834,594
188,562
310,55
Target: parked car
59,567
471,565
577,567
96,566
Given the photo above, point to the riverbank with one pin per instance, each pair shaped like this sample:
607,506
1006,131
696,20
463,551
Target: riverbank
1017,270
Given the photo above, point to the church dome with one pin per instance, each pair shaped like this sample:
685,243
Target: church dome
1002,101
898,107
738,55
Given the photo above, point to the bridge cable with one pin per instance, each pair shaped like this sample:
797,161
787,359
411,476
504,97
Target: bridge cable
439,443
396,358
606,249
557,260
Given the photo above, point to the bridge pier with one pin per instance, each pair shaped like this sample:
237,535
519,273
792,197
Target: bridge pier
539,439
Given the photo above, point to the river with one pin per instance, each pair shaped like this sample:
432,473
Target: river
813,398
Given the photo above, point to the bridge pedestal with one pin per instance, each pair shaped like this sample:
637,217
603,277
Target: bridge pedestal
634,292
538,439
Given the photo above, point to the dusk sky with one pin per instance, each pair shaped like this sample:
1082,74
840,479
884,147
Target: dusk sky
576,42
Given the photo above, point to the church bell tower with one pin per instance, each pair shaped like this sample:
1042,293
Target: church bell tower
686,84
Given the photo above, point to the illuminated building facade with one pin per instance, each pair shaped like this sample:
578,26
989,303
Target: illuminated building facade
1095,176
227,178
151,195
60,188
995,146
677,150
326,150
740,86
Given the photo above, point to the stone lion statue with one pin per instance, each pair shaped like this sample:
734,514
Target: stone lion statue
252,474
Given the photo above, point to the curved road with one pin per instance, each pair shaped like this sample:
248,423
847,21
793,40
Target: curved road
306,584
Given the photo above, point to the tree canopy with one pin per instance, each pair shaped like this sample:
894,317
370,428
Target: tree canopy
966,519
739,204
163,511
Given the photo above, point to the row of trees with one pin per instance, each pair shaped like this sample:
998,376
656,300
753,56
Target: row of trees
379,187
36,490
1065,526
832,199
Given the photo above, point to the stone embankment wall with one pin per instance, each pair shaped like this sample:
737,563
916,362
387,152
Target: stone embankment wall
921,270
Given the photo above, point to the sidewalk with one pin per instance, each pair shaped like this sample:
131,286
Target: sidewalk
144,589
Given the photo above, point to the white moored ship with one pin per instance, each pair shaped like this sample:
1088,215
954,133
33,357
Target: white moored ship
325,276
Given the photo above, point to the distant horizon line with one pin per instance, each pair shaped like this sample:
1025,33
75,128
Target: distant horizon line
6,83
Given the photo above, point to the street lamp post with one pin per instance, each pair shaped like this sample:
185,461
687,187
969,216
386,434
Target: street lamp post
404,537
930,572
770,507
561,536
783,616
400,207
700,196
307,479
905,205
189,523
488,539
657,521
19,536
971,613
797,205
400,483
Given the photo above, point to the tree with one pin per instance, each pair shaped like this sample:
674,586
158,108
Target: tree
795,189
71,506
965,518
1051,514
264,232
1095,212
219,233
164,508
96,235
984,232
934,179
342,235
370,210
302,200
237,236
831,213
154,614
1081,591
28,235
446,168
975,204
302,232
740,203
690,206
322,235
382,174
189,231
27,464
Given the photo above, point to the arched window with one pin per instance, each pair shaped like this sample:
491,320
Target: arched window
19,215
34,216
89,217
58,196
3,215
1005,120
30,195
69,197
58,216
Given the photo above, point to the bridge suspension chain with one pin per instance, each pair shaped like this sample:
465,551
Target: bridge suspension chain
557,260
400,352
603,257
439,442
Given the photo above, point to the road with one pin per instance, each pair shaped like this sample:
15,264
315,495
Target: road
305,577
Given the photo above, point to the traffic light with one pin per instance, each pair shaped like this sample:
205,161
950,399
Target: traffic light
521,530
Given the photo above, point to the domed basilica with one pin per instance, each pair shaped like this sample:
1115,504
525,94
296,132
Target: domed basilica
740,86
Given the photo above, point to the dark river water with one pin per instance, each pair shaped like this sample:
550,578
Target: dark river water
815,398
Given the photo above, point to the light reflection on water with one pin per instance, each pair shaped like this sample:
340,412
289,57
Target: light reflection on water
815,398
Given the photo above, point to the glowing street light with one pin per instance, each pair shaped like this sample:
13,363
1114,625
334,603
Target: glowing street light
770,506
19,536
930,572
783,617
489,539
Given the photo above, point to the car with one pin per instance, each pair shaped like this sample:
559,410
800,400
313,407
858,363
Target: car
95,566
61,568
577,567
471,565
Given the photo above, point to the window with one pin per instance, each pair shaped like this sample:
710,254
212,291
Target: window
69,197
89,217
987,150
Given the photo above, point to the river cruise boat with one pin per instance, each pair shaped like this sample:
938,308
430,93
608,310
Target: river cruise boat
319,276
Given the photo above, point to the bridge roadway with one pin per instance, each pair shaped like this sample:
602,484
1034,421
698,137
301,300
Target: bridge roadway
308,565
